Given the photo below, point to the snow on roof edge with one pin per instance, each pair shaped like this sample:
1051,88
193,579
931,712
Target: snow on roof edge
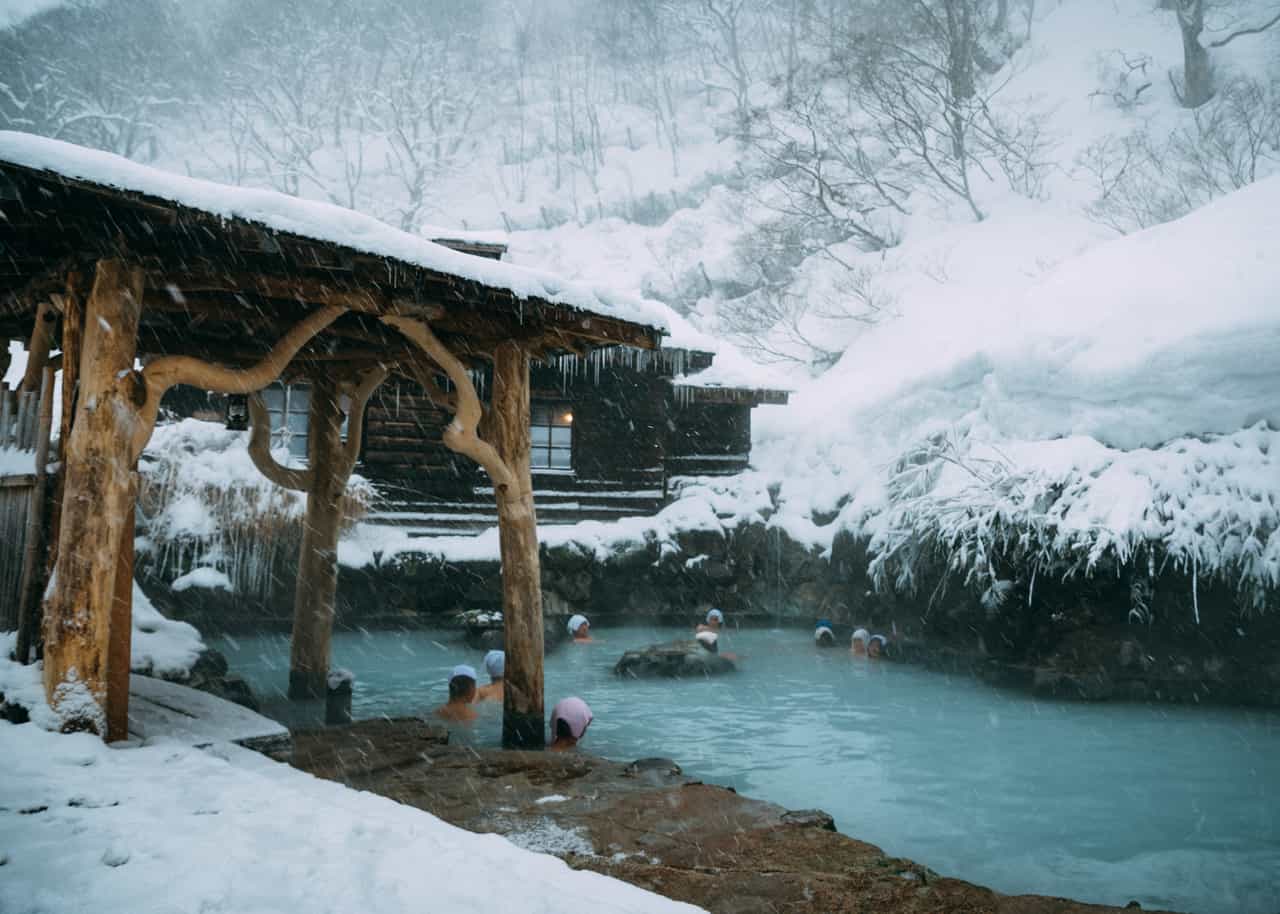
323,222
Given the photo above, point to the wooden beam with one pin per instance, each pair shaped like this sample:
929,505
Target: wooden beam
522,720
99,501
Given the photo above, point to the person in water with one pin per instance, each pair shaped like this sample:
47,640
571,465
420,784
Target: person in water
709,640
877,646
823,636
580,629
462,692
714,620
495,664
858,646
569,721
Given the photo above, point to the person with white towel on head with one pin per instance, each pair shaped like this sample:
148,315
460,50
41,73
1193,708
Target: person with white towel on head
580,629
495,664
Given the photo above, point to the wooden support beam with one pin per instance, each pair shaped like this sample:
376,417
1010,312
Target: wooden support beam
32,570
313,604
38,348
522,720
98,504
120,636
508,468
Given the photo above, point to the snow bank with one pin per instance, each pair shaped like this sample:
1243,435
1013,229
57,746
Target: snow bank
322,222
111,829
161,646
1141,360
709,504
206,577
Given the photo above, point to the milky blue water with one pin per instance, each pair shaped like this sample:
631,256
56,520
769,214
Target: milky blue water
1176,807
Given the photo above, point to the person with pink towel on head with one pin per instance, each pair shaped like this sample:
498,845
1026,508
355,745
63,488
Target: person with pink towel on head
569,721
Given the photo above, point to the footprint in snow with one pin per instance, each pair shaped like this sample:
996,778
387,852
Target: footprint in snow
115,856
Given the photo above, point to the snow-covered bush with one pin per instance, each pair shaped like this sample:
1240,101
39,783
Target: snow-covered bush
1207,507
204,505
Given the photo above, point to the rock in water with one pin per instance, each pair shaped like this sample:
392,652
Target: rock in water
672,661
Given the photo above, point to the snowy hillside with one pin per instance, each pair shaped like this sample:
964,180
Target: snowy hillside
1050,317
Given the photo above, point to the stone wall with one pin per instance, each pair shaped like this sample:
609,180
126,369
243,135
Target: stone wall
1116,634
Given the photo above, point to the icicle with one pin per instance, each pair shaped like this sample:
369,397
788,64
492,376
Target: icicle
1031,588
1195,597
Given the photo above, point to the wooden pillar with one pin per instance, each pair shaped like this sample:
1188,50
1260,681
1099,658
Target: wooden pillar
32,570
38,350
72,347
522,721
98,503
120,633
316,592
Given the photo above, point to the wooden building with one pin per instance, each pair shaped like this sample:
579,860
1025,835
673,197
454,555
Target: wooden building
609,431
220,288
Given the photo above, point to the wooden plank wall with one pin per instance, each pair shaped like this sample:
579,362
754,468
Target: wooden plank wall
403,444
19,424
709,439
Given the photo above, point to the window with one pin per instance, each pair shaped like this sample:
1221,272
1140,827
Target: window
289,410
552,427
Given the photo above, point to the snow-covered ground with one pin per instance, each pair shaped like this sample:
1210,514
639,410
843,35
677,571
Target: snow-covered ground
165,827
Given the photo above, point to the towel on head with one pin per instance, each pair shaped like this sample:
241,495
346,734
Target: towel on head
495,664
715,616
884,642
824,632
575,713
463,669
862,635
576,622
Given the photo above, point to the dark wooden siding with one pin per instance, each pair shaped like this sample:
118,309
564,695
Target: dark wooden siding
709,439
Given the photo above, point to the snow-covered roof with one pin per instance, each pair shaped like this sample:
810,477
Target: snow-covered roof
322,222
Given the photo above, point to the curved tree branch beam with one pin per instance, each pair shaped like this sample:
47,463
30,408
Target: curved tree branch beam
364,387
460,436
260,450
424,374
169,370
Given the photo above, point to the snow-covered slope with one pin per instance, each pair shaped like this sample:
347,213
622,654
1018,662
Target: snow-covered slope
118,829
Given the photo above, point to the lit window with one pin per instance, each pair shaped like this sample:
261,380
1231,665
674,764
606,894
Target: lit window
552,427
289,409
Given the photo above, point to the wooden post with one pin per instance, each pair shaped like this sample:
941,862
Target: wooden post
98,505
316,592
522,725
29,589
72,346
522,720
38,350
120,636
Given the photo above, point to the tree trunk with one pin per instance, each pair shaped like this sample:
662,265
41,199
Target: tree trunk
98,504
522,720
317,587
1197,75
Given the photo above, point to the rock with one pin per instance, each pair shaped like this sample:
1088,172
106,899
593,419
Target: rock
809,818
652,768
672,661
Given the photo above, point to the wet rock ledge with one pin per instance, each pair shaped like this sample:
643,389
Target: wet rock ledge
647,824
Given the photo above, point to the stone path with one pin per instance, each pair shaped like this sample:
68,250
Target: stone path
649,825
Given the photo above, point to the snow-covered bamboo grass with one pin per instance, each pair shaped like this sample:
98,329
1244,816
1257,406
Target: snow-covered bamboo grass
1208,508
204,505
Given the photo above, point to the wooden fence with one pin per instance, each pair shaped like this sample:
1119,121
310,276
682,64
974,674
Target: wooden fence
26,421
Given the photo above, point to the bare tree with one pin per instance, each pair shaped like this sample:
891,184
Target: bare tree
1148,177
1197,70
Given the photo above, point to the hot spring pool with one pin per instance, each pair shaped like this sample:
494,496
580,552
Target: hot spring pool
1176,807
